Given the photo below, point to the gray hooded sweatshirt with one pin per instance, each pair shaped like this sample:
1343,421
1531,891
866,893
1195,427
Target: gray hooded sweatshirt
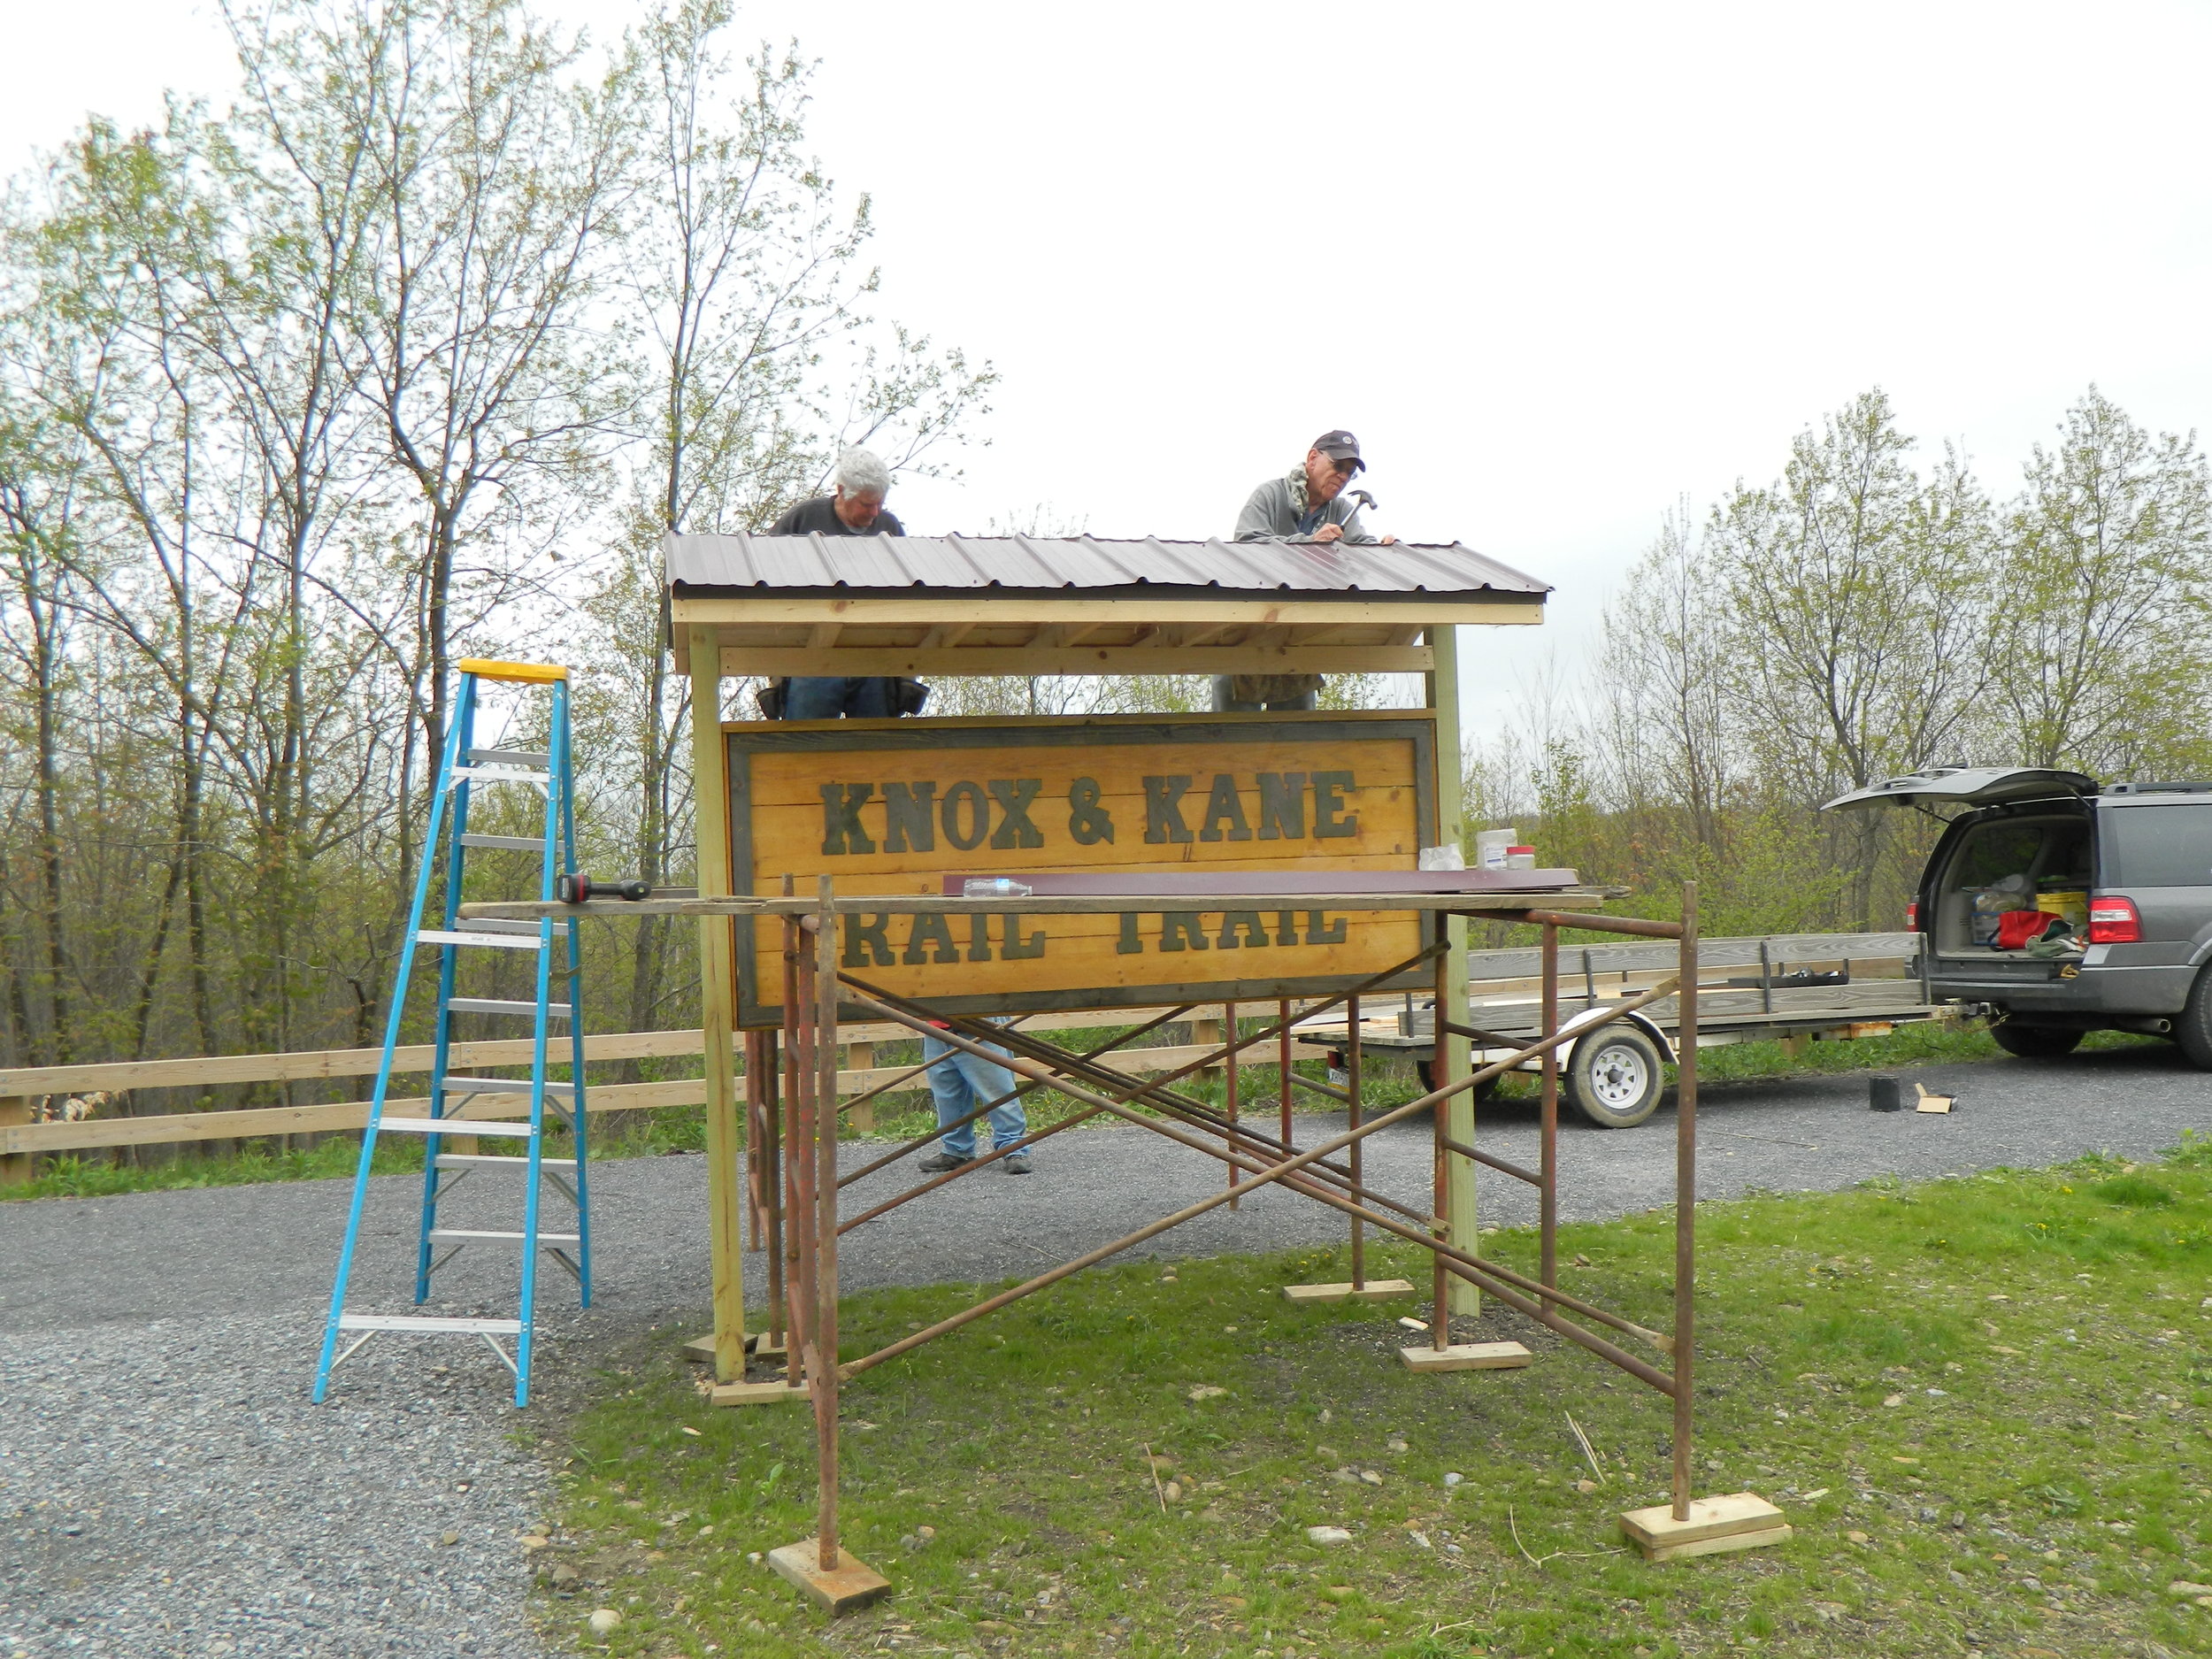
1276,509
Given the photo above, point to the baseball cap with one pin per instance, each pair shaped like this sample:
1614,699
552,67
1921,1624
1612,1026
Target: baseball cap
1341,446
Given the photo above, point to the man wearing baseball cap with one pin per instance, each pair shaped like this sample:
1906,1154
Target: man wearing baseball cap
1305,504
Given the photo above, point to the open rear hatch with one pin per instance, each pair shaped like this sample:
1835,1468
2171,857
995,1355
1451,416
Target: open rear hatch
1971,786
1996,883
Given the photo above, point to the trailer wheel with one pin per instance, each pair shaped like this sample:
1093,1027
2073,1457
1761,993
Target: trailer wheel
1614,1076
1427,1071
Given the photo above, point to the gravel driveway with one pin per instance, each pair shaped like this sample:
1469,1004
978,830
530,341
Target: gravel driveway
165,1489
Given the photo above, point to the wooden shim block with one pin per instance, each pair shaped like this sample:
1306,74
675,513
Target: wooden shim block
1718,1545
845,1588
756,1394
1467,1356
1737,1512
1373,1290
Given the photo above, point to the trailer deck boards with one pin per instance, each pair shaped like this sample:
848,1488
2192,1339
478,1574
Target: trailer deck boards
1504,994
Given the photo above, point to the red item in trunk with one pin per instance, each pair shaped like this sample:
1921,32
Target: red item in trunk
2016,928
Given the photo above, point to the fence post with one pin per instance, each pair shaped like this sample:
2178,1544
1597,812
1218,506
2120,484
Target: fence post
17,1169
861,1056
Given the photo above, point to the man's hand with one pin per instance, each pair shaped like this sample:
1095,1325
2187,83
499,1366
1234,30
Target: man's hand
1390,540
1329,532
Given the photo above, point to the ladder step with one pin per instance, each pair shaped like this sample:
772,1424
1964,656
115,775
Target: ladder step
428,1324
491,774
511,756
453,1127
504,941
499,925
440,1235
486,1160
496,1005
502,1085
516,844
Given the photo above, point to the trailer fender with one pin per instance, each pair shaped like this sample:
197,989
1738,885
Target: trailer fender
1650,1029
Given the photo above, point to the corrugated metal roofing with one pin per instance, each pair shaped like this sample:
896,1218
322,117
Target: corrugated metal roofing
734,565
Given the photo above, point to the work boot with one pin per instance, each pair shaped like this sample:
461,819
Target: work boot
1017,1164
938,1163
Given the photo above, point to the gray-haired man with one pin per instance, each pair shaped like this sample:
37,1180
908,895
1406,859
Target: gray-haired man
1305,504
852,507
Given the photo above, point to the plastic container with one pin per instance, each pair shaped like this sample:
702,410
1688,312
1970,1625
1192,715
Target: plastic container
994,888
1491,847
1984,906
1520,858
2071,903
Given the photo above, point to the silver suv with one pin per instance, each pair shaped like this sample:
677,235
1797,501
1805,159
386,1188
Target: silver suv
2127,869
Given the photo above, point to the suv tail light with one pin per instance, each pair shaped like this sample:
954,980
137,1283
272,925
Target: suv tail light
2113,921
1912,917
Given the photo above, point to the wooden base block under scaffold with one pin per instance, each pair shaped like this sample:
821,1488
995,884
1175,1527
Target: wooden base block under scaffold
1741,1520
1373,1290
1467,1356
756,1394
845,1588
700,1350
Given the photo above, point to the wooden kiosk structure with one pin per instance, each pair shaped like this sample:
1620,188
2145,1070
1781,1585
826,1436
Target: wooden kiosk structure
929,872
934,607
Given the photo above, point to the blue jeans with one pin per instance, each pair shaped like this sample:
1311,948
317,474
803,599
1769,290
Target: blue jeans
963,1082
825,697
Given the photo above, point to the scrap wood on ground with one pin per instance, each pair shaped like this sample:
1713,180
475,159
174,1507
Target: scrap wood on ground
1982,1403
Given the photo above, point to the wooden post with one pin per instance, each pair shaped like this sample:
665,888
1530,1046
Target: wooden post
17,1169
822,1378
861,1056
711,796
1206,1033
1452,1052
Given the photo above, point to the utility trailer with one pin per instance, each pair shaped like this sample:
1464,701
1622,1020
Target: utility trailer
1792,988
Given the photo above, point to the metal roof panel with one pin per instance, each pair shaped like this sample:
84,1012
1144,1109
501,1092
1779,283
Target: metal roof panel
737,564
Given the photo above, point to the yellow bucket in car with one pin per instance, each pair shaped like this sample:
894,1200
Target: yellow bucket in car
2072,906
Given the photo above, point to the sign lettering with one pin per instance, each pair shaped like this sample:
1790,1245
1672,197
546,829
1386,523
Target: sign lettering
896,809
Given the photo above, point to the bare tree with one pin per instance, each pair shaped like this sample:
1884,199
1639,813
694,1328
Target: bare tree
2098,608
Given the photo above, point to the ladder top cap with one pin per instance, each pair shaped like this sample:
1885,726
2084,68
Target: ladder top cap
538,673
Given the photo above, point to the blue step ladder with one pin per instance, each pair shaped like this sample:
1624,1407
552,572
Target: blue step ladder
555,1106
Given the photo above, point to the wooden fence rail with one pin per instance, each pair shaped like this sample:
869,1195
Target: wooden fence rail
21,1137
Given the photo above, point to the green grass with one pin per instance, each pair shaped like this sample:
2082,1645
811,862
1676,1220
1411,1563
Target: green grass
1981,1401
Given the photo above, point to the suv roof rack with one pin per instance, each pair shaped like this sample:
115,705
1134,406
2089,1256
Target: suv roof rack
2193,786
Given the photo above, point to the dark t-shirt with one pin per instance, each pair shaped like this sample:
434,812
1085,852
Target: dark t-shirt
819,517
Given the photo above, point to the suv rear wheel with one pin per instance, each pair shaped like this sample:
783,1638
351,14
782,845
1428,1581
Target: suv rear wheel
2193,1030
2035,1042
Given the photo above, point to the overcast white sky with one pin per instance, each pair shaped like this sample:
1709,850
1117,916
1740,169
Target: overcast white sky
1557,266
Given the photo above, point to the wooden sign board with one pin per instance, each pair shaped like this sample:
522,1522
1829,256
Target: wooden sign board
888,806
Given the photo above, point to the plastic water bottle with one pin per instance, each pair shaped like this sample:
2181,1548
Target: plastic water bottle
994,888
